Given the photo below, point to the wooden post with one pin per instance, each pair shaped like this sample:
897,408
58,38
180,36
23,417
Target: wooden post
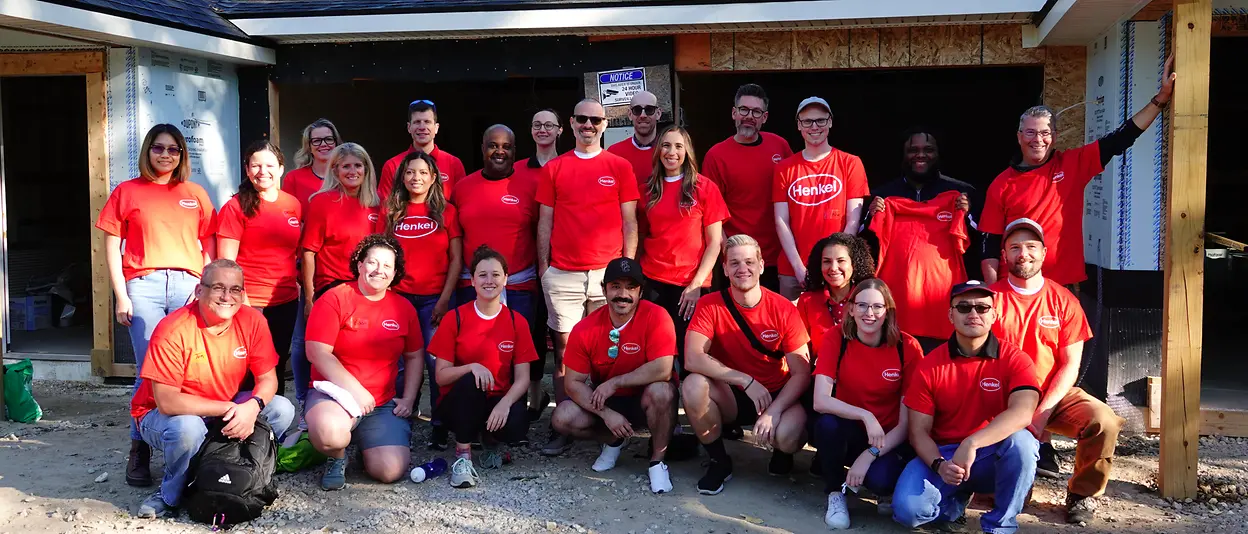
1185,256
97,165
274,123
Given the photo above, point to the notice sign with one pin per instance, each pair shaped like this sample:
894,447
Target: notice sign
617,87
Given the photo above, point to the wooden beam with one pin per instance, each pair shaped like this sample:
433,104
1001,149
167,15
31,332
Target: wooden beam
274,124
97,169
1227,242
50,63
1184,257
1224,423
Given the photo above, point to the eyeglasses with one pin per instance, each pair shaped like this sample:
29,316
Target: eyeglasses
582,119
548,126
648,110
426,102
614,336
162,149
821,122
965,308
319,141
1032,134
746,111
221,289
877,309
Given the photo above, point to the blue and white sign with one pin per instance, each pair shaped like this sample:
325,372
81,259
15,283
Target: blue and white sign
617,87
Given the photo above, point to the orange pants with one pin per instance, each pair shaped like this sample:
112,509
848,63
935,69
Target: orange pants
1095,426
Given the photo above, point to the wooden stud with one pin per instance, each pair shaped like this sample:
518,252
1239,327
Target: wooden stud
97,169
1152,421
1184,254
1224,423
274,123
50,63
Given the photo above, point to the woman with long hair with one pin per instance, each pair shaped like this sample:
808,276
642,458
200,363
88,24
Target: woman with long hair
417,213
339,216
681,220
259,228
159,230
836,264
863,369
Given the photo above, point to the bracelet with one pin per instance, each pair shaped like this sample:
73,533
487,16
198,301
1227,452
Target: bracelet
936,464
1154,102
747,386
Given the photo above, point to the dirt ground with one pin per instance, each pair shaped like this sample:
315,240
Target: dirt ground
49,472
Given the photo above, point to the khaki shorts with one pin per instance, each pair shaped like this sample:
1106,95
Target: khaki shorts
570,295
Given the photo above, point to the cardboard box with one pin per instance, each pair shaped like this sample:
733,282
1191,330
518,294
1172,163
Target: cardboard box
30,313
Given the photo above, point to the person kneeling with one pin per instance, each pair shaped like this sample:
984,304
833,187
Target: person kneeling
197,357
483,352
626,349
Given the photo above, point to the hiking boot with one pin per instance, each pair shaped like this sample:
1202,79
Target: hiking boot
781,463
1047,465
335,477
463,475
1080,509
154,507
609,455
557,445
438,438
837,516
660,480
491,459
138,467
717,473
957,525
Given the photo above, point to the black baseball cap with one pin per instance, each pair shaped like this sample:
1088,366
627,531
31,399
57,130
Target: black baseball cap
968,287
624,268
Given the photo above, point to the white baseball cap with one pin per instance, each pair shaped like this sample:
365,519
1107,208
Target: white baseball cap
814,100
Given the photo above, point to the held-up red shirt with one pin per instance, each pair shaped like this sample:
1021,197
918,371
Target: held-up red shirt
184,355
1041,324
301,183
921,246
964,393
820,315
161,225
368,338
267,246
673,232
333,227
499,343
501,214
818,194
1052,195
774,322
641,158
648,336
744,174
871,378
586,194
450,171
425,244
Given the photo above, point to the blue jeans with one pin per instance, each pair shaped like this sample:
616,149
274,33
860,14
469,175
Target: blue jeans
299,365
424,310
152,297
180,436
842,441
1005,470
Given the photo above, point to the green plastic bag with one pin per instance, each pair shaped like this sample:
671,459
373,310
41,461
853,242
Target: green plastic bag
19,401
301,455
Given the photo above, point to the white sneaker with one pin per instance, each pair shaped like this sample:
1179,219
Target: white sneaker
463,474
837,517
660,482
607,458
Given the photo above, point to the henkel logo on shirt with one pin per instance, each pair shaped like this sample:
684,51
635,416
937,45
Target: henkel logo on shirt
1061,175
240,352
189,203
891,375
630,348
775,158
444,177
506,346
990,384
814,189
293,222
372,217
510,200
1049,321
606,181
944,216
390,324
769,335
415,226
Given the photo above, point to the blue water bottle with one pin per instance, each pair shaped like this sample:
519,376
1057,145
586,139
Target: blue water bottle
428,470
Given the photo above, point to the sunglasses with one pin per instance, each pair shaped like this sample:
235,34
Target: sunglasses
614,336
647,110
426,102
966,307
171,150
582,119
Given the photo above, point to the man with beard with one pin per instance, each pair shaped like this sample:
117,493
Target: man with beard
618,369
197,357
1046,320
921,178
743,166
588,216
422,125
644,111
747,354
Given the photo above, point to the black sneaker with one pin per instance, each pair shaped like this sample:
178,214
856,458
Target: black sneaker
733,432
1047,465
1080,509
138,467
781,463
957,525
438,438
816,466
717,473
536,413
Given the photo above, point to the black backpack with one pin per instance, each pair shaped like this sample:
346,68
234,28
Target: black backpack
231,481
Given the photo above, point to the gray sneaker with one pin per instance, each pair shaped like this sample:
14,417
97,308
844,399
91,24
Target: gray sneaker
557,445
491,459
335,477
154,507
463,475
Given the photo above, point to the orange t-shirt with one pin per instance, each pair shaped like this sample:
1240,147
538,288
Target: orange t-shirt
301,183
499,343
1052,195
450,171
425,248
641,158
648,336
673,233
183,354
818,194
820,315
744,174
586,194
774,322
921,246
871,378
1041,324
267,246
367,337
334,225
161,225
501,214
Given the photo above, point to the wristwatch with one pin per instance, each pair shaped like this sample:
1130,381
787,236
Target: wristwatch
259,401
874,451
936,464
1158,104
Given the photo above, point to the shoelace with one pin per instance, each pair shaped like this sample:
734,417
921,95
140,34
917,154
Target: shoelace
464,466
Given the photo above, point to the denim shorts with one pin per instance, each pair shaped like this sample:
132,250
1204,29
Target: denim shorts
378,428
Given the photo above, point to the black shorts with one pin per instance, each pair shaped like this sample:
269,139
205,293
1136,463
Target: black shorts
630,407
745,407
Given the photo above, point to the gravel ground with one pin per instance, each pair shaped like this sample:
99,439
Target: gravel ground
66,474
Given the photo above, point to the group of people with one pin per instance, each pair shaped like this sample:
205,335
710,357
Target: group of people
739,289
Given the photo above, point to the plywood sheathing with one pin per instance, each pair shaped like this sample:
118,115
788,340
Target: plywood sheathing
946,45
820,49
1065,75
721,51
895,47
762,51
1003,45
864,48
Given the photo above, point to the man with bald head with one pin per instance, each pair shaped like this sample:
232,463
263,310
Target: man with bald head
587,217
644,111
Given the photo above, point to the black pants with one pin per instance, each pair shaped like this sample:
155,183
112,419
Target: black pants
465,409
541,333
281,319
668,296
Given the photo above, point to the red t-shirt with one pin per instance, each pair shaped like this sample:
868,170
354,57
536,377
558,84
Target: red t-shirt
642,159
501,214
301,183
450,171
367,337
744,174
673,233
334,225
964,393
921,246
183,354
499,343
425,244
818,194
1052,195
820,315
774,322
648,336
267,246
161,225
586,195
871,378
1041,324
